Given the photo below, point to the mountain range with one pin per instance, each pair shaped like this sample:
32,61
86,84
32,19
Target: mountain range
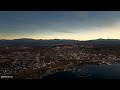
37,42
56,41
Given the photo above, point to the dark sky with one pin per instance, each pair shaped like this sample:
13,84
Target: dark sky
80,25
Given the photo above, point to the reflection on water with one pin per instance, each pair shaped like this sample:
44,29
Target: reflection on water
89,72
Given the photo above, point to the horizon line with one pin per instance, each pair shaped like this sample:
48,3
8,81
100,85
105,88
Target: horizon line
57,38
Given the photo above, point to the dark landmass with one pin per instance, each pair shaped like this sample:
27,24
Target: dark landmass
30,41
25,41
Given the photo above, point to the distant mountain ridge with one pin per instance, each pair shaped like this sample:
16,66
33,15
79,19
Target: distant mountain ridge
37,41
56,41
104,41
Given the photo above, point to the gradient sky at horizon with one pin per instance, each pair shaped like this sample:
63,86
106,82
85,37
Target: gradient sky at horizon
78,25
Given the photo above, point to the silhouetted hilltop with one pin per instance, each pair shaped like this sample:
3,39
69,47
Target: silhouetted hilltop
104,41
24,39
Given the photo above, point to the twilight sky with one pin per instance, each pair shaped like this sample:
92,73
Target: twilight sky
78,25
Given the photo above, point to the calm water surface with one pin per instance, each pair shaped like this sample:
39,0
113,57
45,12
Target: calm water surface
89,72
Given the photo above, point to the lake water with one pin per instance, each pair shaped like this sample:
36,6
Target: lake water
89,72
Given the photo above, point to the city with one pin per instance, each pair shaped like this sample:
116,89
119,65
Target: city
24,62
